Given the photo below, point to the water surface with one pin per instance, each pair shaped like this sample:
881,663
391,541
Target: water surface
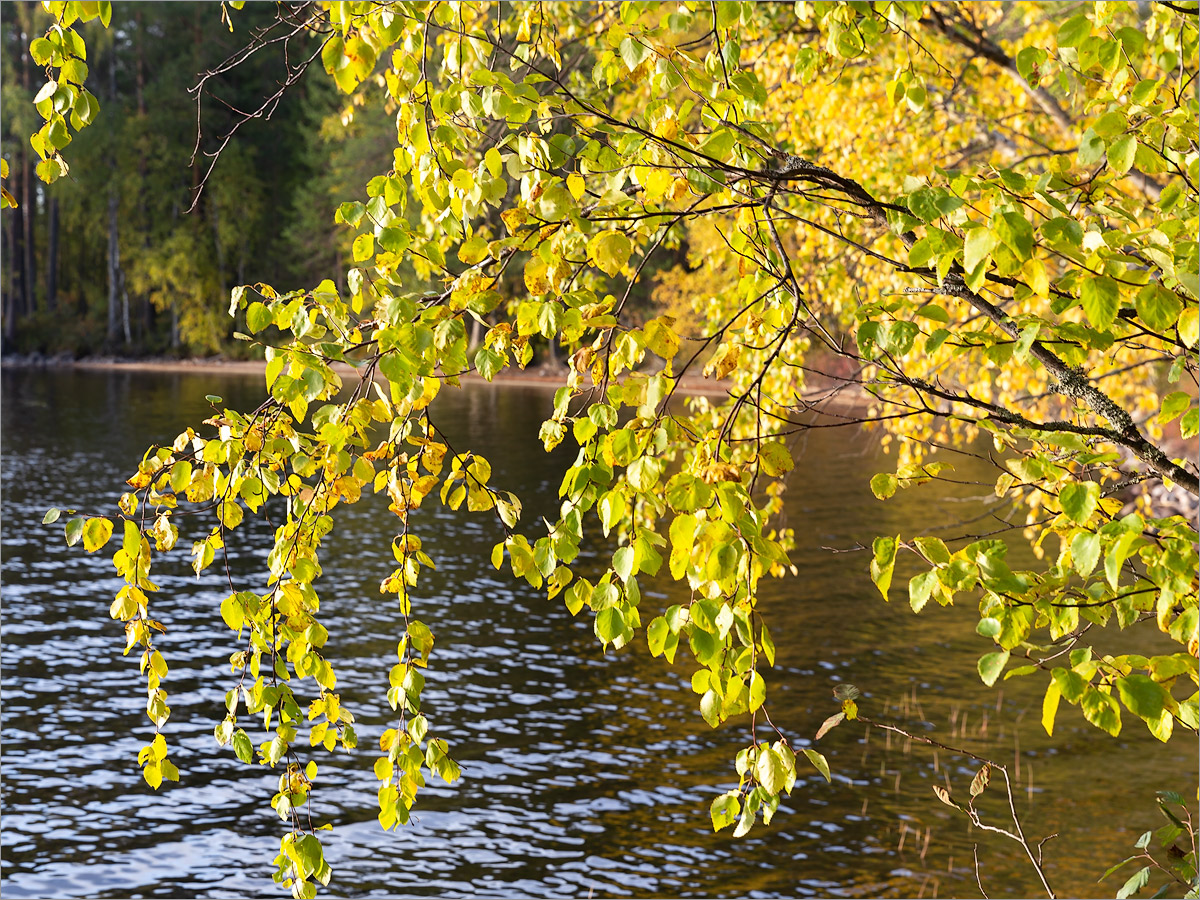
585,773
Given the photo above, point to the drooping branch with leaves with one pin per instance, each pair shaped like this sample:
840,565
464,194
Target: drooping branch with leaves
799,200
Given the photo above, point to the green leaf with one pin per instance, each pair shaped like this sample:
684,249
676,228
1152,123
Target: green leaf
1074,31
758,690
991,665
933,549
1078,500
1188,326
920,588
74,531
769,770
1173,406
1142,695
488,363
1135,883
42,51
51,516
258,317
1015,232
979,243
724,810
656,635
242,748
1101,710
884,485
181,476
1071,684
1091,148
1121,152
308,852
363,247
609,624
883,563
1027,59
989,627
1085,552
1189,425
1100,297
633,53
819,762
774,458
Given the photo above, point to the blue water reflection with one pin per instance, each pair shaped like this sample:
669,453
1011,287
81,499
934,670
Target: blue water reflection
586,774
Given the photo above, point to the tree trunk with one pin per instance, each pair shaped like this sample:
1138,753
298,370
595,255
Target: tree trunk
30,256
114,270
125,311
52,254
10,279
476,336
214,218
16,228
140,65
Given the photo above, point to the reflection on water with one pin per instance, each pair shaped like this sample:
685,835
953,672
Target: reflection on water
586,774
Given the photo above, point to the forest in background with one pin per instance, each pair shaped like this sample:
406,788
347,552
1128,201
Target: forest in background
110,260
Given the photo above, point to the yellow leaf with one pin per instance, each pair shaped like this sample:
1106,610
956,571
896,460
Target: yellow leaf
514,218
364,247
575,185
724,361
1189,325
96,532
1050,707
610,250
536,280
1036,278
661,338
658,182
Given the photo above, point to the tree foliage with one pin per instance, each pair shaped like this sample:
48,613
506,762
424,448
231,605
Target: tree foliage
981,219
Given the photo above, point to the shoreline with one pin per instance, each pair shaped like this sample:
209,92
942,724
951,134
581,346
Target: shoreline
531,377
838,405
542,376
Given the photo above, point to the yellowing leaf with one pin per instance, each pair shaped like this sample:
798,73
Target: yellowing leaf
660,338
1050,707
774,458
1189,326
96,532
536,281
364,247
609,251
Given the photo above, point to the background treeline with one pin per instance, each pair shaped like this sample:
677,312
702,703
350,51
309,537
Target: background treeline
109,260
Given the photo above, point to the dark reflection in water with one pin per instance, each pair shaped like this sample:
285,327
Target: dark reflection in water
585,773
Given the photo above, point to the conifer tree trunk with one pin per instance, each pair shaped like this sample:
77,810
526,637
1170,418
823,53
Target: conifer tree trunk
52,254
114,269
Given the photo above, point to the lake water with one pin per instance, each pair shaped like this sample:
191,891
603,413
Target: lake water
585,773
